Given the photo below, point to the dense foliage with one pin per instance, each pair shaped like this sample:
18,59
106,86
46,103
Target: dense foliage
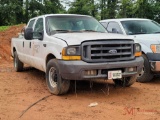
105,9
19,11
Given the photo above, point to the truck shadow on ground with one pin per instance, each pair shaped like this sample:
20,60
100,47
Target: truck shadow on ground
100,88
155,80
92,87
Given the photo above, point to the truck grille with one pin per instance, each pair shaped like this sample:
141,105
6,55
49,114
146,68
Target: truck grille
108,50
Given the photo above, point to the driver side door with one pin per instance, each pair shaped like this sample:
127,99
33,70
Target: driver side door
37,44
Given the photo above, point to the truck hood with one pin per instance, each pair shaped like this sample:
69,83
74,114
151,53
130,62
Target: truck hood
78,38
150,38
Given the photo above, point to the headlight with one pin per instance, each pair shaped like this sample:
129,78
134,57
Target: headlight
71,53
155,48
137,47
73,50
138,51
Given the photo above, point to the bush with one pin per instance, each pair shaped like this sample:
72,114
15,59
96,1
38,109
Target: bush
3,28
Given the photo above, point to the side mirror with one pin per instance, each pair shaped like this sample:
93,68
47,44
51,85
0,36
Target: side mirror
41,34
28,33
114,30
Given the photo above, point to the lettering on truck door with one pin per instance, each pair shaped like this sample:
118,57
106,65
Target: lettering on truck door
37,44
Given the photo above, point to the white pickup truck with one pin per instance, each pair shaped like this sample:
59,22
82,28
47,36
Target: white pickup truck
147,33
76,47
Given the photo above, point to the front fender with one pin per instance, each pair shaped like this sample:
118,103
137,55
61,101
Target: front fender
145,48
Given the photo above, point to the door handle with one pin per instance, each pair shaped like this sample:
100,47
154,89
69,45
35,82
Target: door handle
44,45
30,45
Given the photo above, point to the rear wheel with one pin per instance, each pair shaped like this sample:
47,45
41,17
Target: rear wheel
145,75
18,65
56,84
126,82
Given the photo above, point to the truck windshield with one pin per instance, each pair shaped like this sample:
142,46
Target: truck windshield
61,24
134,27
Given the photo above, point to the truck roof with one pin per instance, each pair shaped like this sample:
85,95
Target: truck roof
123,19
60,15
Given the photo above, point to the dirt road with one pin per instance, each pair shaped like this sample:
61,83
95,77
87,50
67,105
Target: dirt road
20,90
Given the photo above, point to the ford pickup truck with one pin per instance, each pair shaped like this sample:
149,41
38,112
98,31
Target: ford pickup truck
76,47
147,33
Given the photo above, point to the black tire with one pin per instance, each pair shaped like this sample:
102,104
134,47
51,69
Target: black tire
146,74
55,83
18,65
126,82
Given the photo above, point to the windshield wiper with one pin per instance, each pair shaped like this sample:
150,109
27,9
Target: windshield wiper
90,31
58,31
156,32
63,30
138,33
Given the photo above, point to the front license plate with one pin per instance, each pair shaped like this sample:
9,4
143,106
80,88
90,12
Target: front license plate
115,74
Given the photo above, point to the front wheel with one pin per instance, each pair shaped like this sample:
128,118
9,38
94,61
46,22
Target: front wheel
145,75
56,84
126,81
18,65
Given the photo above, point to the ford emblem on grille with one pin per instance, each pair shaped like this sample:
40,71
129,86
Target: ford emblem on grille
112,51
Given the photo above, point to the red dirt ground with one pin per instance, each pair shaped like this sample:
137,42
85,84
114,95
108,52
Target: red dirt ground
19,90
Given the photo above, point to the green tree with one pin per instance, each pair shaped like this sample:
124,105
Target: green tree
16,11
103,9
85,7
143,9
148,9
52,6
126,9
34,8
20,14
108,8
156,11
9,11
111,8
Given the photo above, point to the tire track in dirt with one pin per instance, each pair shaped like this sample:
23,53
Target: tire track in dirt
6,69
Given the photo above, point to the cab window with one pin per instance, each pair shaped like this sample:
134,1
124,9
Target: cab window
38,28
113,27
31,23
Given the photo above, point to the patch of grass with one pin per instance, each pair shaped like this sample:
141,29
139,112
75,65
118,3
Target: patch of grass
3,28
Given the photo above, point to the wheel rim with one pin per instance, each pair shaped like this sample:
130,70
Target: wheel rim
141,73
53,77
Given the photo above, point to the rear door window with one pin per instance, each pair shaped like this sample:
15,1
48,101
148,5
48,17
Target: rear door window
38,28
114,25
31,23
104,24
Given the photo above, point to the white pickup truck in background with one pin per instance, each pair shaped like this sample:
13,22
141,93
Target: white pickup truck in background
76,47
147,33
